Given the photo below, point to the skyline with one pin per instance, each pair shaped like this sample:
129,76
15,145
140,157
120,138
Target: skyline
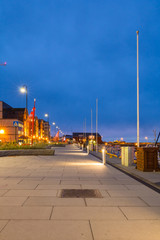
70,53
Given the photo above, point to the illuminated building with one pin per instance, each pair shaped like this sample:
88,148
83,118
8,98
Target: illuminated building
79,136
46,129
11,122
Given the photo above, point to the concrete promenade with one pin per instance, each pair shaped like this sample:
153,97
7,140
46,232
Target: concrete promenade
31,207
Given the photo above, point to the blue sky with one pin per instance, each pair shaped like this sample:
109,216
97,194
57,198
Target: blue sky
69,53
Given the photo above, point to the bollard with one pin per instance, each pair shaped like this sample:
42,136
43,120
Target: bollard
82,147
96,147
88,149
91,146
104,156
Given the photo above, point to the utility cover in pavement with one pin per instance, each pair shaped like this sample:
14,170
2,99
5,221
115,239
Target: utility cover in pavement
80,193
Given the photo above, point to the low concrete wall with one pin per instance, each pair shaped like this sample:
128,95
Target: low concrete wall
26,152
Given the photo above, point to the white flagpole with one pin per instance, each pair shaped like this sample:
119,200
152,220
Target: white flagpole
137,88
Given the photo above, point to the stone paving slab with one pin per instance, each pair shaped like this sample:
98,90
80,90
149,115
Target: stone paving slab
87,213
25,212
21,193
131,193
12,201
65,182
19,186
130,202
60,186
50,230
126,230
105,187
52,201
151,200
142,213
10,181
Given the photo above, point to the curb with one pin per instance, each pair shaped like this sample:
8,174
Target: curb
26,152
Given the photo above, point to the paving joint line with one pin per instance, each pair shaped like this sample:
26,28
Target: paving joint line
91,229
122,212
5,192
5,225
85,202
51,213
36,186
25,201
143,201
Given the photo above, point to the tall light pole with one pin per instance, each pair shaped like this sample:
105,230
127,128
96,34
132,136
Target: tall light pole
47,116
97,125
85,129
24,90
54,124
137,88
91,123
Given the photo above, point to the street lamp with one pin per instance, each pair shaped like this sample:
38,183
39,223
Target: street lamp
54,124
146,138
1,131
24,90
47,116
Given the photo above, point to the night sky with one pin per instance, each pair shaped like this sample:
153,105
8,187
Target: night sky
70,52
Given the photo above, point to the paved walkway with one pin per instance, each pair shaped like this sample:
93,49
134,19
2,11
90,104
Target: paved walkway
151,178
31,207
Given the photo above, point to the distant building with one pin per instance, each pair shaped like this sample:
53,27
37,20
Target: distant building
15,124
11,122
46,130
41,128
79,136
70,137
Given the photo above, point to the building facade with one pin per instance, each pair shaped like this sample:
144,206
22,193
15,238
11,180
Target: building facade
11,123
16,124
81,137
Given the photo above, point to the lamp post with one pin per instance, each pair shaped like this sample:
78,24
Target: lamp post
47,116
146,138
24,90
54,124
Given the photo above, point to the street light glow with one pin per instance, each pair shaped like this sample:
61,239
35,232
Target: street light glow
46,115
53,123
1,131
23,90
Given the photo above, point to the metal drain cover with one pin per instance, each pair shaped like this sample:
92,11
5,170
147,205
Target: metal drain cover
80,193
